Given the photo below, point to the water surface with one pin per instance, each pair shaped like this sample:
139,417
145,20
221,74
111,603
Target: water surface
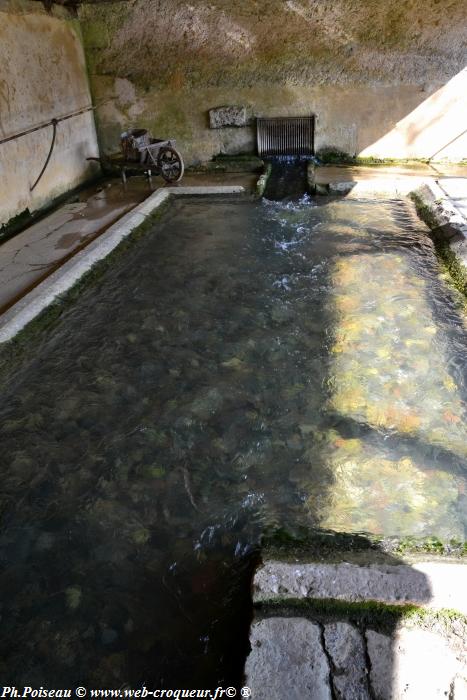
245,366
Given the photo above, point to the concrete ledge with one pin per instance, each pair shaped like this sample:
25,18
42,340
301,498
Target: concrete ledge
445,216
434,585
366,181
63,279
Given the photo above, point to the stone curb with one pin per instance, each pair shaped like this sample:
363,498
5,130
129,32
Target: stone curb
446,216
66,276
432,585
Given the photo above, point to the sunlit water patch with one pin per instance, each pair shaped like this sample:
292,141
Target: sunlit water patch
246,366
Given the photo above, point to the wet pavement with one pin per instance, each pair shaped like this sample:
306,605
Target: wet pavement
30,256
393,179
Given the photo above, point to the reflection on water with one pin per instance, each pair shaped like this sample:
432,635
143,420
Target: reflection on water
252,365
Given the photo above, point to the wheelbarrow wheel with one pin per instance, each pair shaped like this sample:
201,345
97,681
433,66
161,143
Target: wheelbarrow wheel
171,165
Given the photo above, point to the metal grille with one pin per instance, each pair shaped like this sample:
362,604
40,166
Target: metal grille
285,136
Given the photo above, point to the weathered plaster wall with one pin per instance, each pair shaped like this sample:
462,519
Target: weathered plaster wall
42,76
363,67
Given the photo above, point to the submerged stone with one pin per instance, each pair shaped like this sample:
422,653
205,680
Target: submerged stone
73,597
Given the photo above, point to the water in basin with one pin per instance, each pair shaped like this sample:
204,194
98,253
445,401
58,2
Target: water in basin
245,366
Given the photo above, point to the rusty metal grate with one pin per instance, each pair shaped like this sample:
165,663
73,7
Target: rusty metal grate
285,136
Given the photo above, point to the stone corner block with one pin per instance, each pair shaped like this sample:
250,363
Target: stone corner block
287,660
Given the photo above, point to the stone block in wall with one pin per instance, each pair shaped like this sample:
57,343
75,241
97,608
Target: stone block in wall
222,117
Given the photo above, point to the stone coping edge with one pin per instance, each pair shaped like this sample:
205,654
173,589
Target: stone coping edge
67,275
445,215
433,585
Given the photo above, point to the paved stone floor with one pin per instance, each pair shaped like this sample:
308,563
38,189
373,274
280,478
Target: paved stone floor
36,252
456,189
33,254
401,179
340,173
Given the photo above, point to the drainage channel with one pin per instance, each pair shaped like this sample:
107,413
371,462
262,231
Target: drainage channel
288,178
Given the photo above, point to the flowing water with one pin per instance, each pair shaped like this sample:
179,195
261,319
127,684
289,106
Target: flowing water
245,366
287,179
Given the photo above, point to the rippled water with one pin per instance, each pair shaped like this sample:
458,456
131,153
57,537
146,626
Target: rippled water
246,366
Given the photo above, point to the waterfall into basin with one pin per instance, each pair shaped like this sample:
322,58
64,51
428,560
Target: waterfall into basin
287,143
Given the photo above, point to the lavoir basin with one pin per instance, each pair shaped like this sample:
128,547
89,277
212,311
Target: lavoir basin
243,367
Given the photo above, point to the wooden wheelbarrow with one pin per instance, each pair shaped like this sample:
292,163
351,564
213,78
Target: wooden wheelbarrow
141,153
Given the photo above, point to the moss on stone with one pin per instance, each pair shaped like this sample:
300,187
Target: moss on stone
333,156
95,34
372,614
429,545
424,211
318,545
170,122
14,225
263,180
455,272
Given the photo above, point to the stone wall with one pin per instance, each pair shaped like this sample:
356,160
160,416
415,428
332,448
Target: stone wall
385,79
42,76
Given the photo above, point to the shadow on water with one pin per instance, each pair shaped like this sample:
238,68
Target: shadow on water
173,415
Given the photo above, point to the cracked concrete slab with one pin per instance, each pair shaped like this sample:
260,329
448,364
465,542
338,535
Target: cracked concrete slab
376,654
432,584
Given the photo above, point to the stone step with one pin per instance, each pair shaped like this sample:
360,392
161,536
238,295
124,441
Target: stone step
431,584
317,635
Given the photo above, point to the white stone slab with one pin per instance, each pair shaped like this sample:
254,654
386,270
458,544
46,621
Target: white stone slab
287,660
